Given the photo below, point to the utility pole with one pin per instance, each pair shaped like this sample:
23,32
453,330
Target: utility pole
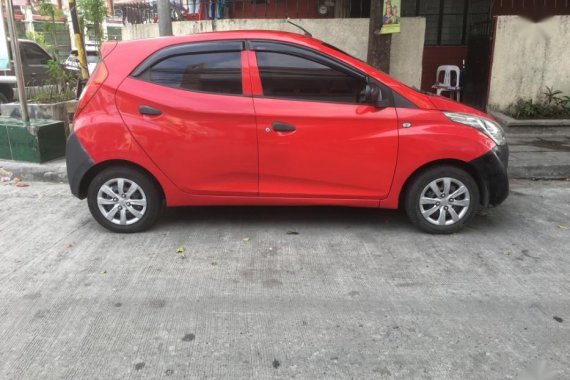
78,38
379,45
17,58
164,20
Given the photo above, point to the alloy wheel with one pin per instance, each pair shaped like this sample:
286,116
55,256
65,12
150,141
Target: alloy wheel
122,201
444,201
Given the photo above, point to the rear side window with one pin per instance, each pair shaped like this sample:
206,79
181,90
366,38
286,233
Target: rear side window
218,72
292,77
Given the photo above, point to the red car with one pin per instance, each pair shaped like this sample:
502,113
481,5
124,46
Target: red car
273,118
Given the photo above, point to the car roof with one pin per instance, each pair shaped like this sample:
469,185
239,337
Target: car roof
229,35
139,50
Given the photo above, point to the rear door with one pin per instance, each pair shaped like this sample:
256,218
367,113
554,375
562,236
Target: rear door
191,111
317,136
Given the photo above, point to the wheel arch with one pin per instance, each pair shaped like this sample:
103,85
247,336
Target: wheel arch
98,168
481,184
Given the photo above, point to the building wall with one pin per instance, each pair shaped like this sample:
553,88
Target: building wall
406,53
350,35
527,58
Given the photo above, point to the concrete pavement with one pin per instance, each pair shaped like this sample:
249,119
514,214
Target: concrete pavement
306,293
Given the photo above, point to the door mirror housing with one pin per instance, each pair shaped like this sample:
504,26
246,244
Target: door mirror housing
373,96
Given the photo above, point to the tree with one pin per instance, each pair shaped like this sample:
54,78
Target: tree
93,12
379,45
50,10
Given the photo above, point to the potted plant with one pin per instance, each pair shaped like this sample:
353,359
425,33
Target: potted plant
54,99
550,111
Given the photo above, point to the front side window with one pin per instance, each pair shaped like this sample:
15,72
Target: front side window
216,72
35,55
292,77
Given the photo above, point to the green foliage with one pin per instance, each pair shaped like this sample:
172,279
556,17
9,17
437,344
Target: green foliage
40,39
564,102
47,97
93,12
57,74
555,105
58,88
557,98
46,8
551,95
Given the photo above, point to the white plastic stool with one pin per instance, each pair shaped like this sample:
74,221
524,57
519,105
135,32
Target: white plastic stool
449,84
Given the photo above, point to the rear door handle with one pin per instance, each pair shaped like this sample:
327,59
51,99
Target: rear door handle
283,127
150,111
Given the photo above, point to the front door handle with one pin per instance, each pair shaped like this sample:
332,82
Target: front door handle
283,127
149,111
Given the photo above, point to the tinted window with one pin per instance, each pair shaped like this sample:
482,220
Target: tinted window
34,54
291,77
207,72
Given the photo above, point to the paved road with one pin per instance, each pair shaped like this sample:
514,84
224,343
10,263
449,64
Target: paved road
356,294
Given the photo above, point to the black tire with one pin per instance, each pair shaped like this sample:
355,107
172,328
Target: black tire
150,192
420,184
3,98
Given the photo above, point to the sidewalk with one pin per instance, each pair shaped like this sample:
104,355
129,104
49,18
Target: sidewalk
539,156
533,156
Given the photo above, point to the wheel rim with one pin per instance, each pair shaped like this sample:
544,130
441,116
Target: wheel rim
444,201
121,201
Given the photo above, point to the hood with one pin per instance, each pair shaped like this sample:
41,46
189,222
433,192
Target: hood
446,104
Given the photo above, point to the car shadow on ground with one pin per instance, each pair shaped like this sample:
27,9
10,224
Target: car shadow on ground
314,216
285,215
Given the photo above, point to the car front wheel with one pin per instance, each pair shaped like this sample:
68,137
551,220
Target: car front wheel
123,199
442,199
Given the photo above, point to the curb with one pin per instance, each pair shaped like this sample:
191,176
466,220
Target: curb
540,172
54,171
552,127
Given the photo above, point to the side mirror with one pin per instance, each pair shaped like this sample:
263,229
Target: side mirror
373,96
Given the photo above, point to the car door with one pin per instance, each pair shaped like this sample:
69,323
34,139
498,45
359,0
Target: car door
317,137
35,64
191,111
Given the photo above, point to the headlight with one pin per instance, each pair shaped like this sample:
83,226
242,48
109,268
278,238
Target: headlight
486,126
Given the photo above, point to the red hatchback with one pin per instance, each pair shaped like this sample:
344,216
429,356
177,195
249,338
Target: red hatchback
272,118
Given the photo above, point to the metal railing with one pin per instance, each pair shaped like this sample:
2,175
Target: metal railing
187,10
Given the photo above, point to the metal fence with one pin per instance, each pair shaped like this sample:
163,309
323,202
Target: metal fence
186,10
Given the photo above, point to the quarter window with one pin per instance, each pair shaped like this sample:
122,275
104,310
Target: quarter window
206,72
291,77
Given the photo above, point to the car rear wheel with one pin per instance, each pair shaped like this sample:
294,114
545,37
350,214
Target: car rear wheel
442,199
123,199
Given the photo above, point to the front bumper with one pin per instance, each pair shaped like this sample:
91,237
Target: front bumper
491,170
78,164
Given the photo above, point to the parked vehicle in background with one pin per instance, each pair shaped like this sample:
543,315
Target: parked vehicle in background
35,67
72,65
273,118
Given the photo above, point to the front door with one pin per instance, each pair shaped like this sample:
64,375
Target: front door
190,112
35,64
317,138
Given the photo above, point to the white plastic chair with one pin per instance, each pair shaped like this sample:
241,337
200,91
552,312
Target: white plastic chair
451,83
